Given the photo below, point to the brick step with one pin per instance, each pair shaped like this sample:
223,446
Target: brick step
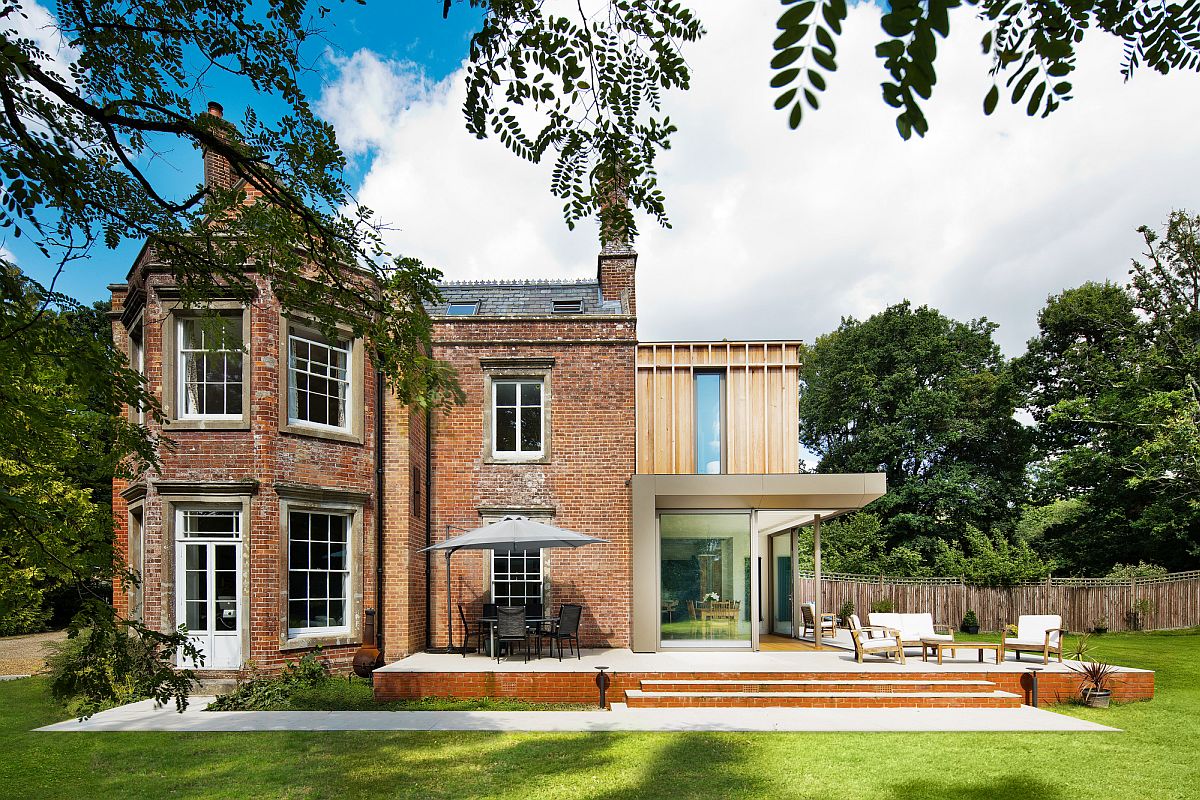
638,698
816,685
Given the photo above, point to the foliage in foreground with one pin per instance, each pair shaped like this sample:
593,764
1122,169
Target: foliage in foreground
307,685
112,665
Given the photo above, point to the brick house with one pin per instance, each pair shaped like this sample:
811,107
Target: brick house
300,494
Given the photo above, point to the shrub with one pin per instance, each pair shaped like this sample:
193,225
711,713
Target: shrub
22,601
969,620
884,606
263,693
89,671
1140,570
845,610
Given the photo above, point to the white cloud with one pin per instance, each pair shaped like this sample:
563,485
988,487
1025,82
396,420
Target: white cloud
34,21
777,234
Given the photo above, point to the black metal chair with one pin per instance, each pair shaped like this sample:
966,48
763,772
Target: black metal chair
565,630
469,631
510,629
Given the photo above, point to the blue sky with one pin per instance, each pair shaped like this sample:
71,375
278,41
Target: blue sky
776,234
403,31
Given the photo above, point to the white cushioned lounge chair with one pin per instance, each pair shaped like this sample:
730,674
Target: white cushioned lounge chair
913,627
875,640
1036,633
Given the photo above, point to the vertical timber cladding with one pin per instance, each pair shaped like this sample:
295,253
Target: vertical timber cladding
761,405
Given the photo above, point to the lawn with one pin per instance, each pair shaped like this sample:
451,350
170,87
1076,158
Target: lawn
1158,756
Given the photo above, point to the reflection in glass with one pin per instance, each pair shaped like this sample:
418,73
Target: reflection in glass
709,422
705,569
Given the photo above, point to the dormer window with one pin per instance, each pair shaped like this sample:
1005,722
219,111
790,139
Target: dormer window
463,309
568,306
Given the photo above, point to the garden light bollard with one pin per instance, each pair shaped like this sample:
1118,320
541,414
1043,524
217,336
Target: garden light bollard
602,683
1033,683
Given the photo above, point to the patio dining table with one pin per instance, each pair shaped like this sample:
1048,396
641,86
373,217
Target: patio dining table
491,623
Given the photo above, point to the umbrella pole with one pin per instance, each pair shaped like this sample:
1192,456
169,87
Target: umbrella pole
449,614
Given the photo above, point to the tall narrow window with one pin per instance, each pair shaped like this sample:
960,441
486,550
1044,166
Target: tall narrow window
210,367
318,572
318,381
516,577
137,360
710,422
517,430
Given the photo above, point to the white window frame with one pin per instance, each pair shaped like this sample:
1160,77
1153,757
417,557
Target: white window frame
519,454
181,384
348,570
541,574
343,346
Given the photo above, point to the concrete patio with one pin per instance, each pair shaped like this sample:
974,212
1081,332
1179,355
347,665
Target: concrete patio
145,716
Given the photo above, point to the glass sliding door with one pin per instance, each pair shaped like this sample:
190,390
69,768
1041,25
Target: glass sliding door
705,579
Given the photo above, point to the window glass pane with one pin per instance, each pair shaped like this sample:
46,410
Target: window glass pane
318,381
506,394
506,430
516,577
709,434
318,570
531,429
197,616
531,394
210,366
462,309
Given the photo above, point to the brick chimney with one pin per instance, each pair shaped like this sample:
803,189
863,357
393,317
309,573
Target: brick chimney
217,172
616,268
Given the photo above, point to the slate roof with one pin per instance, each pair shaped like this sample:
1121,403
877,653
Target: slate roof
523,297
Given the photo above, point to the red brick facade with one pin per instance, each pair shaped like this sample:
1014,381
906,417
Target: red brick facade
437,471
258,462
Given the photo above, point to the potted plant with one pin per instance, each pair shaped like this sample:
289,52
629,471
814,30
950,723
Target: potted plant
1097,675
970,622
1100,626
844,612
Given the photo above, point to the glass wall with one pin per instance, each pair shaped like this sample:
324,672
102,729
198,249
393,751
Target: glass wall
705,580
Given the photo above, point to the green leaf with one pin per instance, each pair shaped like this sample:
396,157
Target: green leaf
794,117
1035,100
795,15
816,79
786,57
989,102
781,79
785,98
824,60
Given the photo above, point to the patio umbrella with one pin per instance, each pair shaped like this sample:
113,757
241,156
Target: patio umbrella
508,534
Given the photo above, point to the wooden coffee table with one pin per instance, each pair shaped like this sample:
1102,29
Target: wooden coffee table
940,646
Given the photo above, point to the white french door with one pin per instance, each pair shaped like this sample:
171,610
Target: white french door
208,570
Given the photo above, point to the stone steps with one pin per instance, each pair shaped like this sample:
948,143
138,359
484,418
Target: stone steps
833,692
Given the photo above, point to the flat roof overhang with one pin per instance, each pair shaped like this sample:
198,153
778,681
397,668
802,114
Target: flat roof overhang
826,495
838,492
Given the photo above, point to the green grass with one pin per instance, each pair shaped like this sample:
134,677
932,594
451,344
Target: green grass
1156,757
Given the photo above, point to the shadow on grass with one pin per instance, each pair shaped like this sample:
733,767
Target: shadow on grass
962,787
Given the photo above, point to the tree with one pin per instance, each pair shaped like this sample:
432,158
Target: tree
1111,380
1033,47
82,120
586,84
928,401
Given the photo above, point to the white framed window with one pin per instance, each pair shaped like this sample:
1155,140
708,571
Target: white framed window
466,308
209,523
318,379
517,577
210,367
318,573
518,418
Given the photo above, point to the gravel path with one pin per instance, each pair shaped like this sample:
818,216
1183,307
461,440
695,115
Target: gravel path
24,655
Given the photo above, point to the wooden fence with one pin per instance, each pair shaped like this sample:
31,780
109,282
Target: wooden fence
1172,601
